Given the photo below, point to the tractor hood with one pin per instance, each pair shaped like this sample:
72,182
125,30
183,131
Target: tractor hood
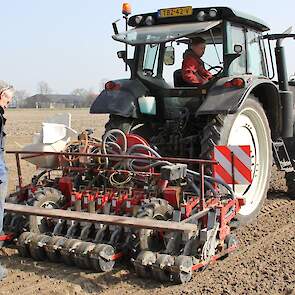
121,100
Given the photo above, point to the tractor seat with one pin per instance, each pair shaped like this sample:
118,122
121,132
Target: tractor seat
178,81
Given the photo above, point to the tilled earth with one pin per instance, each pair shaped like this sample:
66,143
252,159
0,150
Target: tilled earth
263,264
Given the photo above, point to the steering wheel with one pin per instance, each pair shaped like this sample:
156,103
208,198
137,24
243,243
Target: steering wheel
218,69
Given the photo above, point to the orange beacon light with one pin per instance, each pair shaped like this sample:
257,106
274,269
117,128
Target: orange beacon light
126,9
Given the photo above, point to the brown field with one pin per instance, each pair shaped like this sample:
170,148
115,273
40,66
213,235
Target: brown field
263,264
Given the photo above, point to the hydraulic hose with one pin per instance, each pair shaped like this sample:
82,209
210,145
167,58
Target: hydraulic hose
105,143
209,178
130,164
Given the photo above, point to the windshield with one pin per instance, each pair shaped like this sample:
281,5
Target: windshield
212,57
163,33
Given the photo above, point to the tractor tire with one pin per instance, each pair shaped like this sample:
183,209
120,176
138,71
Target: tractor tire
290,182
119,122
129,125
249,126
46,197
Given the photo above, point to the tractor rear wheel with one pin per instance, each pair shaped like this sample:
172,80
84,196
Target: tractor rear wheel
129,125
249,126
119,122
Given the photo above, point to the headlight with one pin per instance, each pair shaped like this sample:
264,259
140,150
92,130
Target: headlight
213,12
149,21
201,16
138,19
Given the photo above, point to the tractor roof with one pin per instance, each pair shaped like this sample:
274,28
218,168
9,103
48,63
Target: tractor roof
164,33
187,14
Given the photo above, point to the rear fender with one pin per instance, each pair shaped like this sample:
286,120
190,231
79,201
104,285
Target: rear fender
222,100
122,102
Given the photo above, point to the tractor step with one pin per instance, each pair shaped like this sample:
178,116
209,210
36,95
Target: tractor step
281,156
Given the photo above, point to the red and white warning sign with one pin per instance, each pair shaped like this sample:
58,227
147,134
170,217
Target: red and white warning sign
234,164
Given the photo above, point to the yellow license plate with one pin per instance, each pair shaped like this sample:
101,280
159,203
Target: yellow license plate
177,11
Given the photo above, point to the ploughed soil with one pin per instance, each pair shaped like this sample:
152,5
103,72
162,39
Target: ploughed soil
263,264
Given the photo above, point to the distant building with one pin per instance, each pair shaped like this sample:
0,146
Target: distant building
54,101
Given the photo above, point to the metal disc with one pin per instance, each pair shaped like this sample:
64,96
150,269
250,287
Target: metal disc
143,264
161,267
67,251
53,246
183,272
101,258
23,243
81,255
36,247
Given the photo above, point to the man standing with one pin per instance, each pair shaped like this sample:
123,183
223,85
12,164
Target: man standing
6,95
193,70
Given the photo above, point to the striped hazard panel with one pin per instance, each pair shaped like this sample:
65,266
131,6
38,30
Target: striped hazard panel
234,164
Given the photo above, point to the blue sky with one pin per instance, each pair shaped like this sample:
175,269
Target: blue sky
68,43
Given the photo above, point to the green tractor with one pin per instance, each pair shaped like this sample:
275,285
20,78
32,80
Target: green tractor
241,105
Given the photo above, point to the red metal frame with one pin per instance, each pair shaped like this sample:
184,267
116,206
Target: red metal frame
215,257
32,154
226,211
7,237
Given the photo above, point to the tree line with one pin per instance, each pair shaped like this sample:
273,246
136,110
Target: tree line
22,99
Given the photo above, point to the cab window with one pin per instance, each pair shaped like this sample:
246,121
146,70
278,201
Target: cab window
212,57
237,37
255,54
150,61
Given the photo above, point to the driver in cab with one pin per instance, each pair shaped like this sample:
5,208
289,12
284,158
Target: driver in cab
193,70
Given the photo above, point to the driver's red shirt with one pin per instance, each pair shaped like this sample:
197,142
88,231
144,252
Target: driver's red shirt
193,70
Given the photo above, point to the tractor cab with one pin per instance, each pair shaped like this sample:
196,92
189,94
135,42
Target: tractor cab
162,60
234,49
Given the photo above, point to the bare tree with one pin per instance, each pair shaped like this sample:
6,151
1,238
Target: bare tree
80,92
90,99
43,88
19,97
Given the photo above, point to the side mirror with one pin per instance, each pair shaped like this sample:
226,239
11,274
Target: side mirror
169,56
238,48
122,54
